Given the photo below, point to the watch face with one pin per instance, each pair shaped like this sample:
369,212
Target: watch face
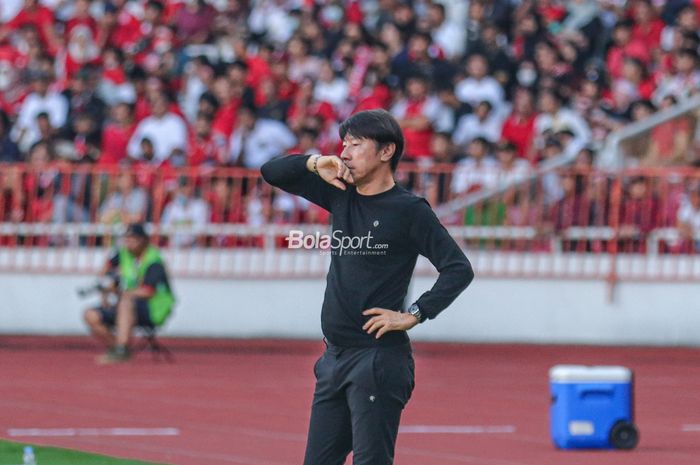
415,311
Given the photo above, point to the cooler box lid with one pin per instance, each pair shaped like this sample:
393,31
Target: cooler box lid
589,374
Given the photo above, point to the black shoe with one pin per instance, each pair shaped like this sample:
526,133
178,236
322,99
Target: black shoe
116,354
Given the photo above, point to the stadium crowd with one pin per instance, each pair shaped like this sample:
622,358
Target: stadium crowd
491,87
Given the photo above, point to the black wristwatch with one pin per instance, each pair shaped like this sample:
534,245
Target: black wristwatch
415,311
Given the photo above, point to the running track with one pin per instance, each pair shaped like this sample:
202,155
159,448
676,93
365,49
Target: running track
247,402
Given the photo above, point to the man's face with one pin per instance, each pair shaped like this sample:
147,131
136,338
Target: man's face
159,106
133,244
476,149
568,184
435,16
621,35
121,113
78,85
477,67
41,86
523,102
638,190
246,119
688,19
418,46
548,103
147,150
202,127
505,155
440,147
361,156
126,182
416,89
684,63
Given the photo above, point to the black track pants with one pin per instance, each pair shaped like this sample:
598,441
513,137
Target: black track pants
360,394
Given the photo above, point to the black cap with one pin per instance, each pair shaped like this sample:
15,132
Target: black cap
137,230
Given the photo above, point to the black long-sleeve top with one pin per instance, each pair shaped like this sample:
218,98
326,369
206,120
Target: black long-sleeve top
374,244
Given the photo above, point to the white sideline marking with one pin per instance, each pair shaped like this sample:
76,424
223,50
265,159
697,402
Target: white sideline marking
457,429
691,428
69,432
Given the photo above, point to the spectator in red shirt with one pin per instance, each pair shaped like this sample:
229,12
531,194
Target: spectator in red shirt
519,127
624,45
634,74
638,217
194,21
40,184
119,28
647,26
567,211
204,147
225,206
304,106
114,85
116,135
81,37
229,102
419,115
38,16
81,17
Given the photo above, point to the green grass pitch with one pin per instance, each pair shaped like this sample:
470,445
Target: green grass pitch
11,454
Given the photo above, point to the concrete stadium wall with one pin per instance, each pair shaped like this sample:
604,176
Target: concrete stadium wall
491,310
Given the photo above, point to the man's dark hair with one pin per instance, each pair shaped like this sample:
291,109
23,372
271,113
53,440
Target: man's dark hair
156,5
211,99
422,35
440,7
238,64
379,126
136,230
309,131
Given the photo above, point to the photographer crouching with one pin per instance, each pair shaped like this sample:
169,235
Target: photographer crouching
137,276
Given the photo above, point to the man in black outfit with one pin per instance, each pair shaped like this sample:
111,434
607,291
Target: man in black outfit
366,375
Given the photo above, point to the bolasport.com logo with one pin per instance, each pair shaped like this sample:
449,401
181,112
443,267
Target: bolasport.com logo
336,243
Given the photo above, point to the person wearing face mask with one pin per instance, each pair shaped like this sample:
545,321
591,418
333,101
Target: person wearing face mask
527,75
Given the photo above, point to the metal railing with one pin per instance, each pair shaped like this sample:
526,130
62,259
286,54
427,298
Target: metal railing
595,225
611,156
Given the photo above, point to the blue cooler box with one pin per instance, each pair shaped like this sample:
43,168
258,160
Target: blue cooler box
592,407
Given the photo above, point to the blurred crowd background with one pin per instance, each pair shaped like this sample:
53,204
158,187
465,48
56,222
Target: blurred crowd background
486,88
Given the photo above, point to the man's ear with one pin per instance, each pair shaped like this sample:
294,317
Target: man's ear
387,152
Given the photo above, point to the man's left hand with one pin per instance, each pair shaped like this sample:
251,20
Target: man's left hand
388,320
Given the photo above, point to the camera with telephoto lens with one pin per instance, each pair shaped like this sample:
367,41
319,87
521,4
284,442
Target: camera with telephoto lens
106,284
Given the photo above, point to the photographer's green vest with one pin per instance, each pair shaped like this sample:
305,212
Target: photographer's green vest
132,273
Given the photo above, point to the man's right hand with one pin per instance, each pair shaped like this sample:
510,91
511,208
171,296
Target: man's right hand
331,169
